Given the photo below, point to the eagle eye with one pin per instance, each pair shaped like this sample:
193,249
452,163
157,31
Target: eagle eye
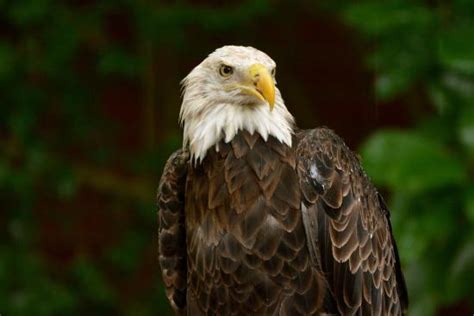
274,71
226,71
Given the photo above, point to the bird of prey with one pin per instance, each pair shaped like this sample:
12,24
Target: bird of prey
258,217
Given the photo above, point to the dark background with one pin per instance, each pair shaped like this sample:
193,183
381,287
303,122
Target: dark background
89,101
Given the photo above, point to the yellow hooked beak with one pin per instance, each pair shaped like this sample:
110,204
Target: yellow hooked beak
261,84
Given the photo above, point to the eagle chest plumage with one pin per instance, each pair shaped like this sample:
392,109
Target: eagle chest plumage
246,246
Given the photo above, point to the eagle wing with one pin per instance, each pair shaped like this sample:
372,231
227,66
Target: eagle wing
348,229
171,231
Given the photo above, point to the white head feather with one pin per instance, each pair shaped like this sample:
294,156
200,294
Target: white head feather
210,112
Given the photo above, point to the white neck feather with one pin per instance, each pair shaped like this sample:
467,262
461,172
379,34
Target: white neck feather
207,122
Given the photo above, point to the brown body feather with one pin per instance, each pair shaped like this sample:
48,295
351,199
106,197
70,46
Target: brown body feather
271,230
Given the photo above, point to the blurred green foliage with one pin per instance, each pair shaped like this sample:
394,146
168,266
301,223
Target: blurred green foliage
62,191
68,257
425,50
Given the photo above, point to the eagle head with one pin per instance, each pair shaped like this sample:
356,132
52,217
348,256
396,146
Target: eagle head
233,89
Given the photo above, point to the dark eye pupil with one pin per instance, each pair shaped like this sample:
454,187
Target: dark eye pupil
227,70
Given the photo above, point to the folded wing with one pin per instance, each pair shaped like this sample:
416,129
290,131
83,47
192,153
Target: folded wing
348,229
171,229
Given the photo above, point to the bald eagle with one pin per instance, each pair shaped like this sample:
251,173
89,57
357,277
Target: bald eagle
257,217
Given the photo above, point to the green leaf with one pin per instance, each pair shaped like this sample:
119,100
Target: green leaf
24,12
66,183
399,61
7,60
469,203
123,256
407,161
378,17
439,97
441,128
60,46
456,48
426,306
92,282
461,273
390,84
119,62
466,128
424,220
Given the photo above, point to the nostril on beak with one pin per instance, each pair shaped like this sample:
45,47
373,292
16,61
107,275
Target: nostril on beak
256,79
